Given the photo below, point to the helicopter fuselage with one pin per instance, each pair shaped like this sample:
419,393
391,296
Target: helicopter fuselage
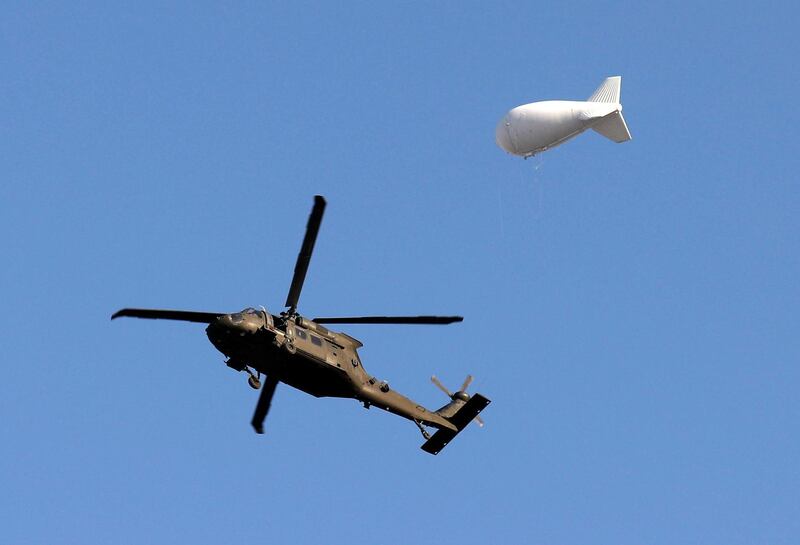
307,356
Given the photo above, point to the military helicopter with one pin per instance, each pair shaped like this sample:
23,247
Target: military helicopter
304,354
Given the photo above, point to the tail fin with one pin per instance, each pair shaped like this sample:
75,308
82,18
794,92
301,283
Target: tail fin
608,91
460,419
613,127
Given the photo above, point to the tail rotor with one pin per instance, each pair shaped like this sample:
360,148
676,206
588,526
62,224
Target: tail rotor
460,395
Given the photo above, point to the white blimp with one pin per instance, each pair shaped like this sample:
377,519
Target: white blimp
533,128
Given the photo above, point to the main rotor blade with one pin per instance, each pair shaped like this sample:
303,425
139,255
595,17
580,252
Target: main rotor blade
264,401
430,320
441,386
304,257
467,382
155,314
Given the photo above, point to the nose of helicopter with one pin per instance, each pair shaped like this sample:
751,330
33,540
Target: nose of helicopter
218,331
226,328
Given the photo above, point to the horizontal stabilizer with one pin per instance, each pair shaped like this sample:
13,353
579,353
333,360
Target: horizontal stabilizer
608,91
464,416
613,127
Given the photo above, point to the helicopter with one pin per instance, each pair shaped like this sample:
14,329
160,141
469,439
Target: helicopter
304,354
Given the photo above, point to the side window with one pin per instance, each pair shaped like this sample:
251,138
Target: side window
300,333
316,340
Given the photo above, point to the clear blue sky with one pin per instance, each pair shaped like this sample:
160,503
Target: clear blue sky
631,309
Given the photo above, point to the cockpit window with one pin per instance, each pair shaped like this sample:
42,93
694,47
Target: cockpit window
249,310
237,317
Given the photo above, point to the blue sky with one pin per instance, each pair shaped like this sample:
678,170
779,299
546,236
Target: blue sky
630,309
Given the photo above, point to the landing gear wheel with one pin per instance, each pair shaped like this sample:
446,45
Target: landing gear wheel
290,348
253,381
